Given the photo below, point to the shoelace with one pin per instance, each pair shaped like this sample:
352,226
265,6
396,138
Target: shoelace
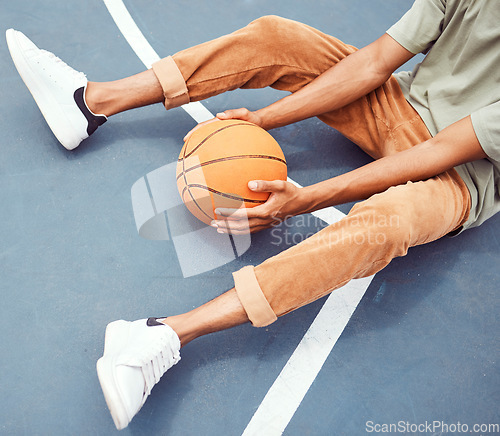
158,359
63,65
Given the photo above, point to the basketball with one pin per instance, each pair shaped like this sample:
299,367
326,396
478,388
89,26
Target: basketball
217,162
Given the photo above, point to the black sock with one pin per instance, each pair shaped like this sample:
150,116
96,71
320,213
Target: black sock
94,120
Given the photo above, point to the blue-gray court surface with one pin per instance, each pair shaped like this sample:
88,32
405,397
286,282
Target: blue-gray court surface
421,345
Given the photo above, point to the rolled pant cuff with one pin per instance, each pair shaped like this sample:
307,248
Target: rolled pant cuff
172,82
252,298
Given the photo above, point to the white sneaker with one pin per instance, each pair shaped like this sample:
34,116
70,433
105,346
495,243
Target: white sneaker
57,88
136,355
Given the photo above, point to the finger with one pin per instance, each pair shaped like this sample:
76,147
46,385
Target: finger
228,225
266,185
235,232
240,114
252,229
243,230
225,226
224,212
242,213
261,211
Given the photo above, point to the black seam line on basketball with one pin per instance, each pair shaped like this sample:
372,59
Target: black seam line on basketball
212,134
201,143
194,201
223,194
222,159
183,174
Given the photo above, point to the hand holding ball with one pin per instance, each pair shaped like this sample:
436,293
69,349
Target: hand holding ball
219,159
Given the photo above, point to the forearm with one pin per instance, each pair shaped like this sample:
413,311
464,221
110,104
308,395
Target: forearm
353,77
347,81
453,146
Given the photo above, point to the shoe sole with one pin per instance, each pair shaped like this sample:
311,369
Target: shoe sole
113,342
51,110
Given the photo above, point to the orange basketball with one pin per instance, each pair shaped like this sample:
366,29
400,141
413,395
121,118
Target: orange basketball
217,162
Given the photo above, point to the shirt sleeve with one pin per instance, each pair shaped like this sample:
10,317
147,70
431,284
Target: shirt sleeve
421,26
486,123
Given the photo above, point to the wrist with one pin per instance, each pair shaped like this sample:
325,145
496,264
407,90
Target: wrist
276,115
323,194
265,118
306,199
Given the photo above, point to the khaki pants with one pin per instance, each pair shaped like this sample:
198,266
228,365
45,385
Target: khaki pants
287,55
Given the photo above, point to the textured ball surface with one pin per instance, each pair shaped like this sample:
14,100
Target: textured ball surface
217,162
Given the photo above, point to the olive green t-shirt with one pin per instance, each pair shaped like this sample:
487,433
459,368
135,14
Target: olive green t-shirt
459,76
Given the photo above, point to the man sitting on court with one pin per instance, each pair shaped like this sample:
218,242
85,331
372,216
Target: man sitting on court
434,134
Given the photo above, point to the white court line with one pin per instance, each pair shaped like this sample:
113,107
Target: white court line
290,387
145,52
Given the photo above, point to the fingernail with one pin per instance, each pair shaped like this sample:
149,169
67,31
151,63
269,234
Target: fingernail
220,231
217,211
221,114
213,224
252,185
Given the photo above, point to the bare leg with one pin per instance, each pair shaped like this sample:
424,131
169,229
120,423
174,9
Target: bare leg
219,314
110,98
271,51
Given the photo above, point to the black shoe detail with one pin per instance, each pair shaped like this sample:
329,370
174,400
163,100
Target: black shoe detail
151,322
94,121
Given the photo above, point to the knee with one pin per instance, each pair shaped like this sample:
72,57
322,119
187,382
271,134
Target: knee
387,222
269,22
272,27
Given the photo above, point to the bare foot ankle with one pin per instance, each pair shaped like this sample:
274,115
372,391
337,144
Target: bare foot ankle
93,100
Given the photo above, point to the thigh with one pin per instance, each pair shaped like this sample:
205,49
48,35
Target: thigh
287,55
419,212
373,233
381,123
270,51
